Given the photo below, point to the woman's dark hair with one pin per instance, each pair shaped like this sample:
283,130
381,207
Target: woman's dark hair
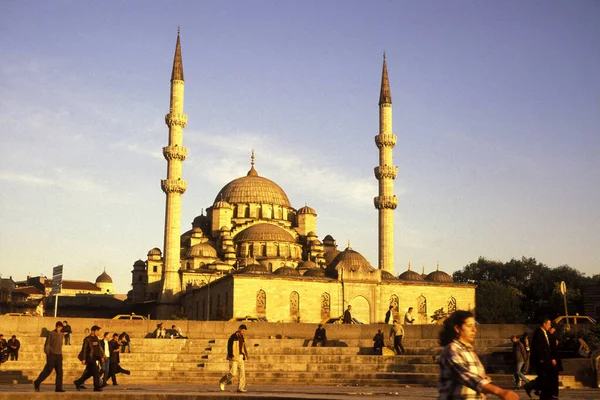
457,318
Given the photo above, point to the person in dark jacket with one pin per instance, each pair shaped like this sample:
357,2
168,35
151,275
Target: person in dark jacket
13,348
115,360
3,349
237,355
348,315
519,356
378,342
125,342
53,350
91,354
388,315
320,336
67,332
541,362
555,371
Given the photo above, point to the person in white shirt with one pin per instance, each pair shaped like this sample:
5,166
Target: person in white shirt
408,318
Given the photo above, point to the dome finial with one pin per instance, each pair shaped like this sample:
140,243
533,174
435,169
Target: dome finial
438,265
408,260
349,248
252,171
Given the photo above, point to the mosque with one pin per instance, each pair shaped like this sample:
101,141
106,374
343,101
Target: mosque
254,254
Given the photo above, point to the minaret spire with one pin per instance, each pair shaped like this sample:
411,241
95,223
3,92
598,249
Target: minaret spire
385,173
252,171
173,187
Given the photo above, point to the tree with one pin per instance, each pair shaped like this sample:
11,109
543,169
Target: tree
498,303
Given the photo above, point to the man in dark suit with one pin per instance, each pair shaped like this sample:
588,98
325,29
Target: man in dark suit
541,362
115,366
347,316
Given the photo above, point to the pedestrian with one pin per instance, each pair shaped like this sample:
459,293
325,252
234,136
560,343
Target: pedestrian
105,365
67,332
525,341
519,355
91,354
237,355
160,332
408,318
39,310
125,342
320,336
583,349
13,348
3,349
348,315
555,370
462,376
115,360
388,315
54,361
541,362
378,342
396,335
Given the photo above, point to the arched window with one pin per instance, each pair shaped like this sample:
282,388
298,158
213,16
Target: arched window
261,303
451,305
325,305
422,305
295,306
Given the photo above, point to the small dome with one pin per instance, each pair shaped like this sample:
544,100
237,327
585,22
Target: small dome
304,265
201,250
221,204
104,278
329,240
331,255
264,232
287,271
139,263
439,276
315,272
387,276
410,275
349,260
155,252
254,269
311,234
307,210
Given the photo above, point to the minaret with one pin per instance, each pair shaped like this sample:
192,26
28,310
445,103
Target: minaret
174,186
385,173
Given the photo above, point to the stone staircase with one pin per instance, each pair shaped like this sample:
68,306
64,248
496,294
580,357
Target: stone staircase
272,361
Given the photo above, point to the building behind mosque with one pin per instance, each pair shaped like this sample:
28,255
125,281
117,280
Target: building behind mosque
254,254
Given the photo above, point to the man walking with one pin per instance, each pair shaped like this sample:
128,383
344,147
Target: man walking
237,354
115,360
91,354
348,315
53,350
396,334
541,362
519,356
105,365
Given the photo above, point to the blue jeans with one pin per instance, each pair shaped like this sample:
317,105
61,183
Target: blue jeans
106,367
519,375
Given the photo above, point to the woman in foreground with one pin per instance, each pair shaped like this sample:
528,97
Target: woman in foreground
462,376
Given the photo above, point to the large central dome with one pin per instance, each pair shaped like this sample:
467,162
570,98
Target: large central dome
253,189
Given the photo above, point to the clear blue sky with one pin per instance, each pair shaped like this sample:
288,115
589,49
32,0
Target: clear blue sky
496,109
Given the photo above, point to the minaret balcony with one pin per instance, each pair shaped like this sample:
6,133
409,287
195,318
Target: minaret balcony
173,186
176,119
175,153
386,202
386,172
385,140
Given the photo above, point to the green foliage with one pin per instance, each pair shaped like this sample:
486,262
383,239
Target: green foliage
523,290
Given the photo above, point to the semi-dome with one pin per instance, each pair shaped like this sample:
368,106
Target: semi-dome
287,271
439,276
349,260
221,204
304,265
264,232
307,210
253,189
387,276
104,278
315,272
201,250
410,275
254,269
331,255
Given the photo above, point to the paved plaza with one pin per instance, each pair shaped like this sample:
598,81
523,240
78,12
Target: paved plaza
167,392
